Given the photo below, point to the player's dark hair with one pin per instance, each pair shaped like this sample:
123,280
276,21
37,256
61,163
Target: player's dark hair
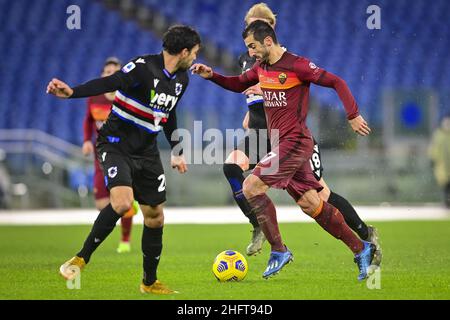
179,37
260,30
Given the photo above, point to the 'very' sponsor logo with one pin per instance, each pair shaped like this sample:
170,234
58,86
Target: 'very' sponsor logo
162,100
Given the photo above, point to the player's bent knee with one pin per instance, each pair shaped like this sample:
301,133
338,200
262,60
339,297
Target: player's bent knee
324,194
308,210
309,202
157,222
122,206
121,199
248,188
122,203
239,158
100,204
153,216
306,207
253,187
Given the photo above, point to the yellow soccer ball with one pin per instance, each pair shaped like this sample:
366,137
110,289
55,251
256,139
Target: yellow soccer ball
230,265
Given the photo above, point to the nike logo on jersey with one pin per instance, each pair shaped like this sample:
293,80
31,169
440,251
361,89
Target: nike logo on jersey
140,60
155,82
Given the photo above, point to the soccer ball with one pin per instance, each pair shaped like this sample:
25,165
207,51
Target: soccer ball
230,265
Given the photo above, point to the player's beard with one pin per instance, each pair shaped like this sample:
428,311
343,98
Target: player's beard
264,56
184,65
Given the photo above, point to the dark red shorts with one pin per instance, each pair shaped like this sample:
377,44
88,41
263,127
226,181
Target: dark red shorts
100,190
287,167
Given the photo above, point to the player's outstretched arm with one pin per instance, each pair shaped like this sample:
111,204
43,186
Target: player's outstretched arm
59,89
116,81
177,159
360,126
308,71
233,83
178,162
357,122
202,70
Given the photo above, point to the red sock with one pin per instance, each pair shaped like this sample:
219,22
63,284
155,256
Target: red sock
266,215
330,219
126,228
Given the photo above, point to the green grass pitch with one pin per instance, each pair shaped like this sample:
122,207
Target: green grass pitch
416,264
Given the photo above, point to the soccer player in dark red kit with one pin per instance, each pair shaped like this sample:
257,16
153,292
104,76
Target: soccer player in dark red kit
249,152
285,79
97,112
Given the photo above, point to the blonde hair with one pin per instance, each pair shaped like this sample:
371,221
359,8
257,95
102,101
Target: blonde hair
261,11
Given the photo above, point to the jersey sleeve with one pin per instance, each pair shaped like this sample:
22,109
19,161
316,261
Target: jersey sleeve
307,71
237,83
131,75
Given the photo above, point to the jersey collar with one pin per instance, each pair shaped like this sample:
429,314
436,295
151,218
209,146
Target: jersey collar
169,75
166,73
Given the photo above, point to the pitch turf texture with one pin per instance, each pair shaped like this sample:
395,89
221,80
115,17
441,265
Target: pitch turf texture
416,264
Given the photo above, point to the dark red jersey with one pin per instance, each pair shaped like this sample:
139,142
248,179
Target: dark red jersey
98,109
285,85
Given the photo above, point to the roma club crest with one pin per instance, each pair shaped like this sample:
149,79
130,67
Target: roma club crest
282,78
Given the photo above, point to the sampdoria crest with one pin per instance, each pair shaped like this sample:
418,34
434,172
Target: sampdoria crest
178,88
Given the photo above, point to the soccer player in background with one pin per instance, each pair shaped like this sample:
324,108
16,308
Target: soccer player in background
148,88
285,80
247,154
98,109
439,153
